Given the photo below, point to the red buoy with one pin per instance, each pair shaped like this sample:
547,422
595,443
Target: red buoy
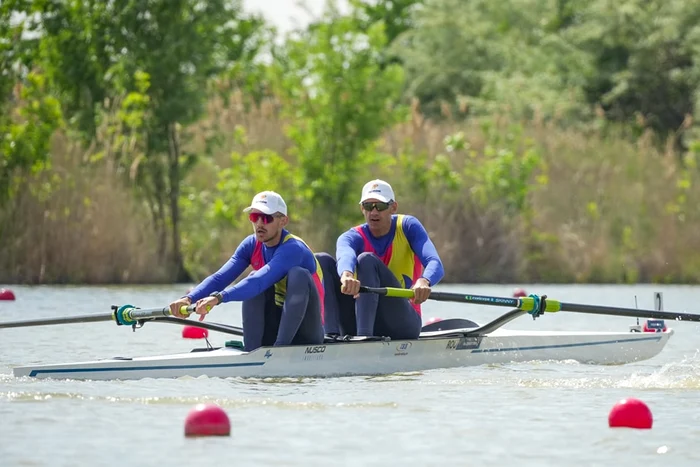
6,294
518,292
630,413
192,332
207,420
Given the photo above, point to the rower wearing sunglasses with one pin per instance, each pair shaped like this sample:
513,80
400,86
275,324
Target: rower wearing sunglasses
388,250
283,296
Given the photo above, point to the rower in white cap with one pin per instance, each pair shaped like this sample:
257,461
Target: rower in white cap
388,250
283,297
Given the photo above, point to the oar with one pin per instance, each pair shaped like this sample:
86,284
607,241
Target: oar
125,315
528,304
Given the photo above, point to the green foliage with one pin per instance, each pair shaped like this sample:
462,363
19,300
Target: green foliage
637,60
216,212
502,173
148,61
687,177
482,57
131,81
646,59
25,134
249,174
418,177
394,14
339,99
91,51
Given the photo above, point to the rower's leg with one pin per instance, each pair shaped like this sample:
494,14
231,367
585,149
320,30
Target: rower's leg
260,320
301,313
339,308
396,318
273,317
387,316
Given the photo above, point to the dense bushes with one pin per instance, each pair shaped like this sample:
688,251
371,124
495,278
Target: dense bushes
536,141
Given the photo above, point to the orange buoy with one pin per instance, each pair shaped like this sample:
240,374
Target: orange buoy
630,413
207,420
6,294
192,332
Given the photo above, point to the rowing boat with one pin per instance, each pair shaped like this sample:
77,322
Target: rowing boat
433,350
447,344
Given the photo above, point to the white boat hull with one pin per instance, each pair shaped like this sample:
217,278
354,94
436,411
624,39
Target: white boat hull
370,357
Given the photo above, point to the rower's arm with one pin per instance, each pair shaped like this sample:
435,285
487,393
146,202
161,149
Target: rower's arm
421,244
288,255
228,273
347,248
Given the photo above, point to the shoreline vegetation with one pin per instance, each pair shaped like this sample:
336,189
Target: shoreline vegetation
533,151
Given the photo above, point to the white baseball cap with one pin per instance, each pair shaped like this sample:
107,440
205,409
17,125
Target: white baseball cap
268,202
377,189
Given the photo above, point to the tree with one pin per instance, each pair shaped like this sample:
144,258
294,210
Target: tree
29,113
482,57
342,97
150,58
646,60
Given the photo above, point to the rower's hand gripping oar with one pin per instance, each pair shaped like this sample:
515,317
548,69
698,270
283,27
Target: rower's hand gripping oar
126,315
535,305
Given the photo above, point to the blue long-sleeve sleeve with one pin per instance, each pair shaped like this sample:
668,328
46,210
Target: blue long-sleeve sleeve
288,255
228,273
350,244
347,248
421,244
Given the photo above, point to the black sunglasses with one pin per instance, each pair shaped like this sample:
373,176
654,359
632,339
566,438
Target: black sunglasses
381,206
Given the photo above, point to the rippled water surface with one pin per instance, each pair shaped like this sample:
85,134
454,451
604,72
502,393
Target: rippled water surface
527,414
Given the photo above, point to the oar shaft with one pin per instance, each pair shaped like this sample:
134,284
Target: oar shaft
128,315
528,303
62,320
478,299
628,312
451,297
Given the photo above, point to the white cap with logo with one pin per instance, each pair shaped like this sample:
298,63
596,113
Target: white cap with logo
268,202
377,189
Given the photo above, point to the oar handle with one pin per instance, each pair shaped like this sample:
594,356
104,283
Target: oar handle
389,291
128,315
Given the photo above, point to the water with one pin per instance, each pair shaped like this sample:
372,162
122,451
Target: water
532,414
